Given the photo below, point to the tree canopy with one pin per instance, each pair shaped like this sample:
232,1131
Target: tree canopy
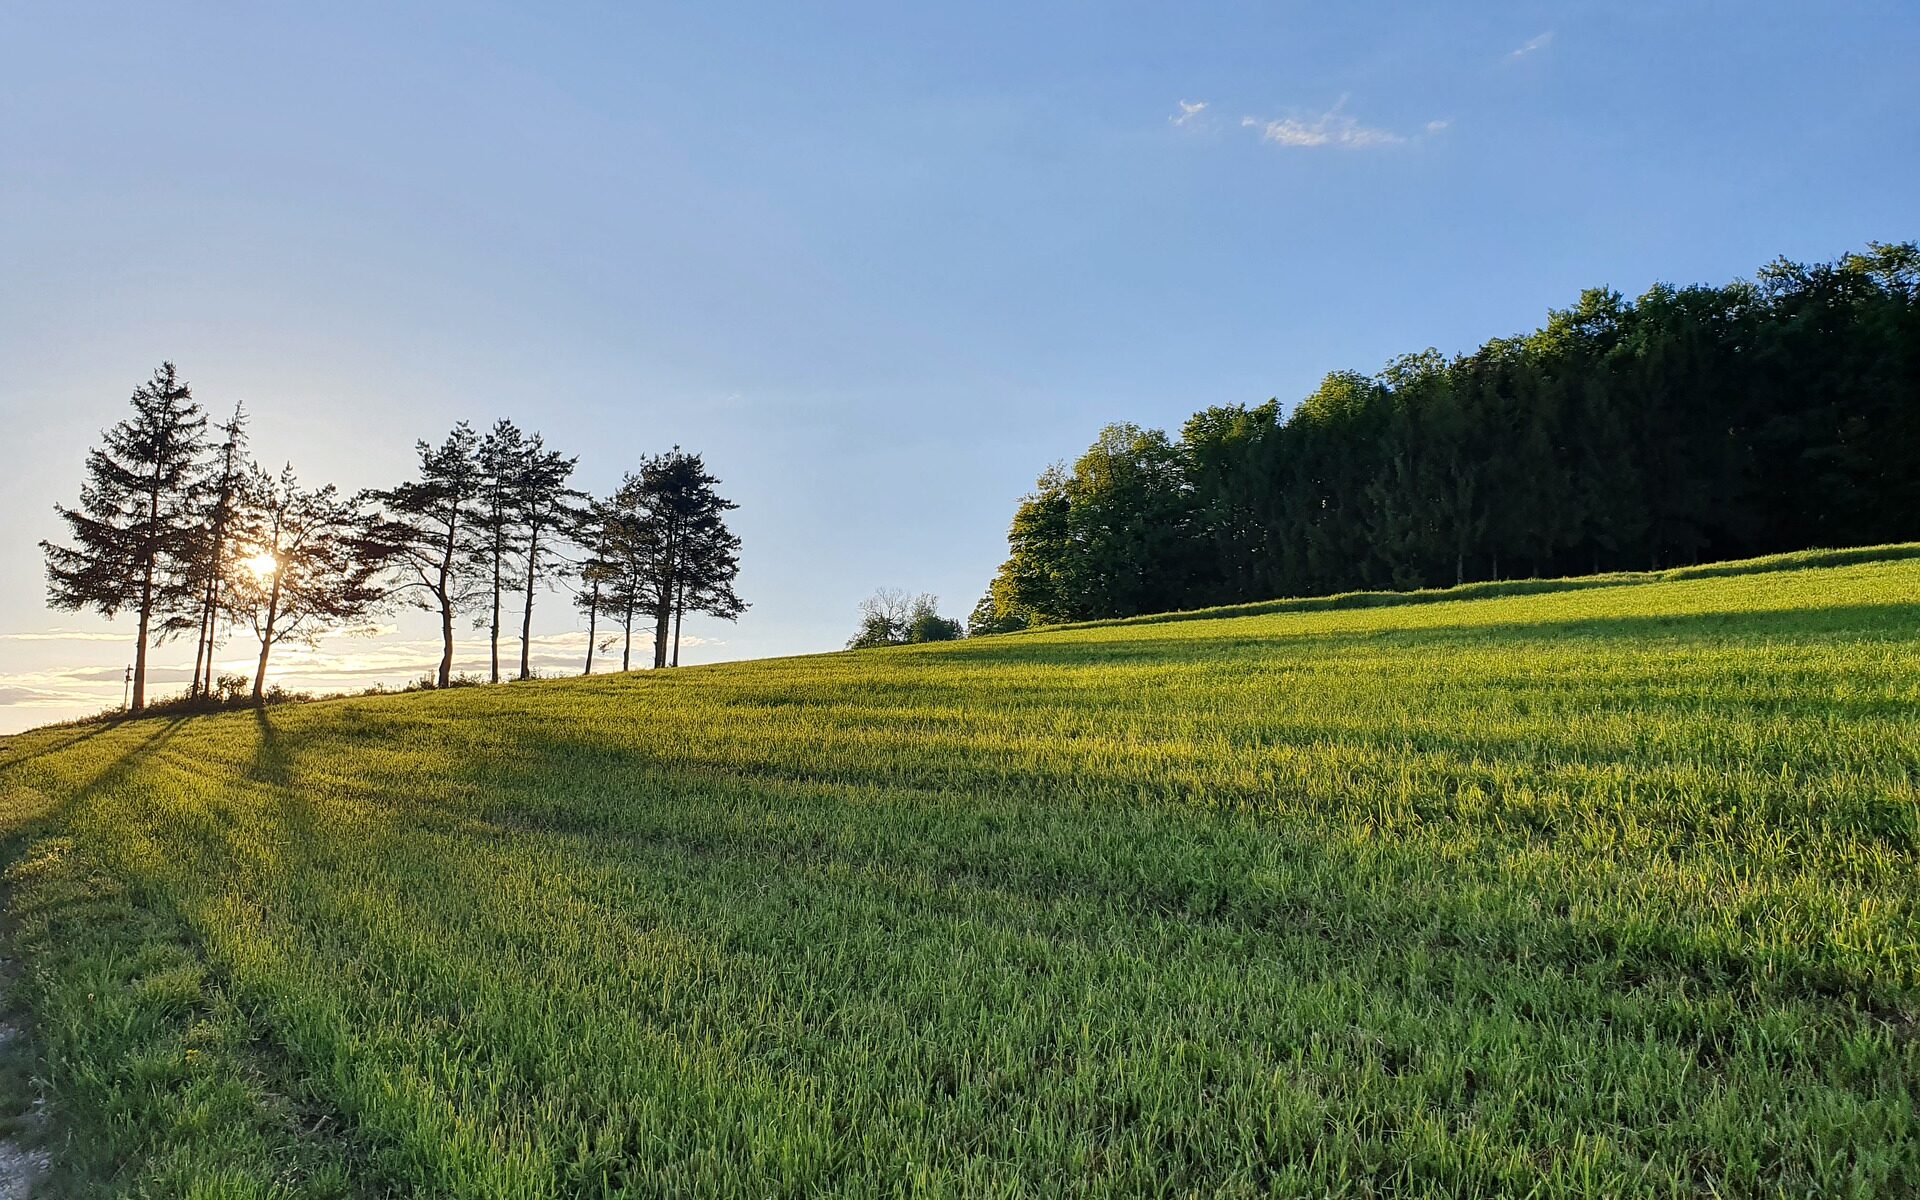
1692,423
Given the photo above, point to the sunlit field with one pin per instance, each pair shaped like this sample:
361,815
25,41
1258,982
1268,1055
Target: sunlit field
1598,891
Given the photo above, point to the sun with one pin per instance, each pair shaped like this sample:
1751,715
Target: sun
263,564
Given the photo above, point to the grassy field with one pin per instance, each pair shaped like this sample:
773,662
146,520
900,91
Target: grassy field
1602,891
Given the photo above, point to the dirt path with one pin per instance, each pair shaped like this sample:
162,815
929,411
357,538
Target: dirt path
22,1160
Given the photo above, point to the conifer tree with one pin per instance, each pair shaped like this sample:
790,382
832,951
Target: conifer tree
212,558
545,508
424,534
132,533
501,459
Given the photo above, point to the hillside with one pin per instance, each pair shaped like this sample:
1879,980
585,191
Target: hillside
1598,890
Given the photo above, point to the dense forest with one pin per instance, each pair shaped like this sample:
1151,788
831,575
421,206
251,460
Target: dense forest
1693,423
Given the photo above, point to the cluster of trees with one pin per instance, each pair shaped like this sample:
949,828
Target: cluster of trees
178,526
1693,423
891,617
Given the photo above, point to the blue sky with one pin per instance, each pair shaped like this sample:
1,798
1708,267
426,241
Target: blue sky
880,263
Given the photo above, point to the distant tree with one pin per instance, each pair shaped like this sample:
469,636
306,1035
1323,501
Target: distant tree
594,531
545,508
133,532
675,525
495,528
312,569
995,613
213,552
622,570
422,533
708,569
891,617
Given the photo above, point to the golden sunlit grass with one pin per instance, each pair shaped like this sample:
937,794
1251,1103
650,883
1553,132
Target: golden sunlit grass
1602,891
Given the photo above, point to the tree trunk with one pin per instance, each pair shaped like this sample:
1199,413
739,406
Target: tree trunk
493,630
663,595
679,613
140,651
526,613
266,640
446,640
593,619
626,652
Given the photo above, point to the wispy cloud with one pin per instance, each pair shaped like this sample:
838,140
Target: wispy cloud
1190,110
67,635
1538,43
1334,127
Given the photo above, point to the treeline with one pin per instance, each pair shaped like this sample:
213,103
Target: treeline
1691,424
180,528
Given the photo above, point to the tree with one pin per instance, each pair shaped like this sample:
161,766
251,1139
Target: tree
132,531
891,617
674,526
212,558
708,569
312,566
423,530
593,529
495,526
545,507
997,612
622,569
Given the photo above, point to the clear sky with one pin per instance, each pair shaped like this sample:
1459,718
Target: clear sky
881,263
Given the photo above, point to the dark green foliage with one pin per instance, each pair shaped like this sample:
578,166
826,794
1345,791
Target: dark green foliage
1693,423
659,548
425,531
891,617
136,529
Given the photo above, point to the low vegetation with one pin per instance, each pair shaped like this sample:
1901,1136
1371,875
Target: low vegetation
1600,891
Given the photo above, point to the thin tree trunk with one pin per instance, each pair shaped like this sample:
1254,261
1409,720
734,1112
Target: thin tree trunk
626,651
663,598
593,619
445,595
679,613
526,613
446,640
493,630
266,640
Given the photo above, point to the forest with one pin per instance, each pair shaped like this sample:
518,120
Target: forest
1691,424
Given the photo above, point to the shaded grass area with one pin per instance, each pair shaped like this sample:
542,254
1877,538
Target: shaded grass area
1596,892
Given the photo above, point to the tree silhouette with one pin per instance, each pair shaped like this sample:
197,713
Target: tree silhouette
312,567
423,533
133,532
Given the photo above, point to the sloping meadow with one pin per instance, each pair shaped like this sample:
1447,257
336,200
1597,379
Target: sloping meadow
1597,892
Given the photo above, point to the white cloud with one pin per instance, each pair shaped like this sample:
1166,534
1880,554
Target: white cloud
1539,43
1333,127
68,635
1439,126
1189,111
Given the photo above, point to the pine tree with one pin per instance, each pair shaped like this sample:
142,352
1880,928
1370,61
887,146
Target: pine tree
680,530
424,533
213,556
545,507
501,459
133,530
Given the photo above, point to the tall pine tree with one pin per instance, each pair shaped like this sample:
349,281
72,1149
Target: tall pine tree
133,532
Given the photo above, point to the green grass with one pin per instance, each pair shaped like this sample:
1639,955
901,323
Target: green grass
1598,891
